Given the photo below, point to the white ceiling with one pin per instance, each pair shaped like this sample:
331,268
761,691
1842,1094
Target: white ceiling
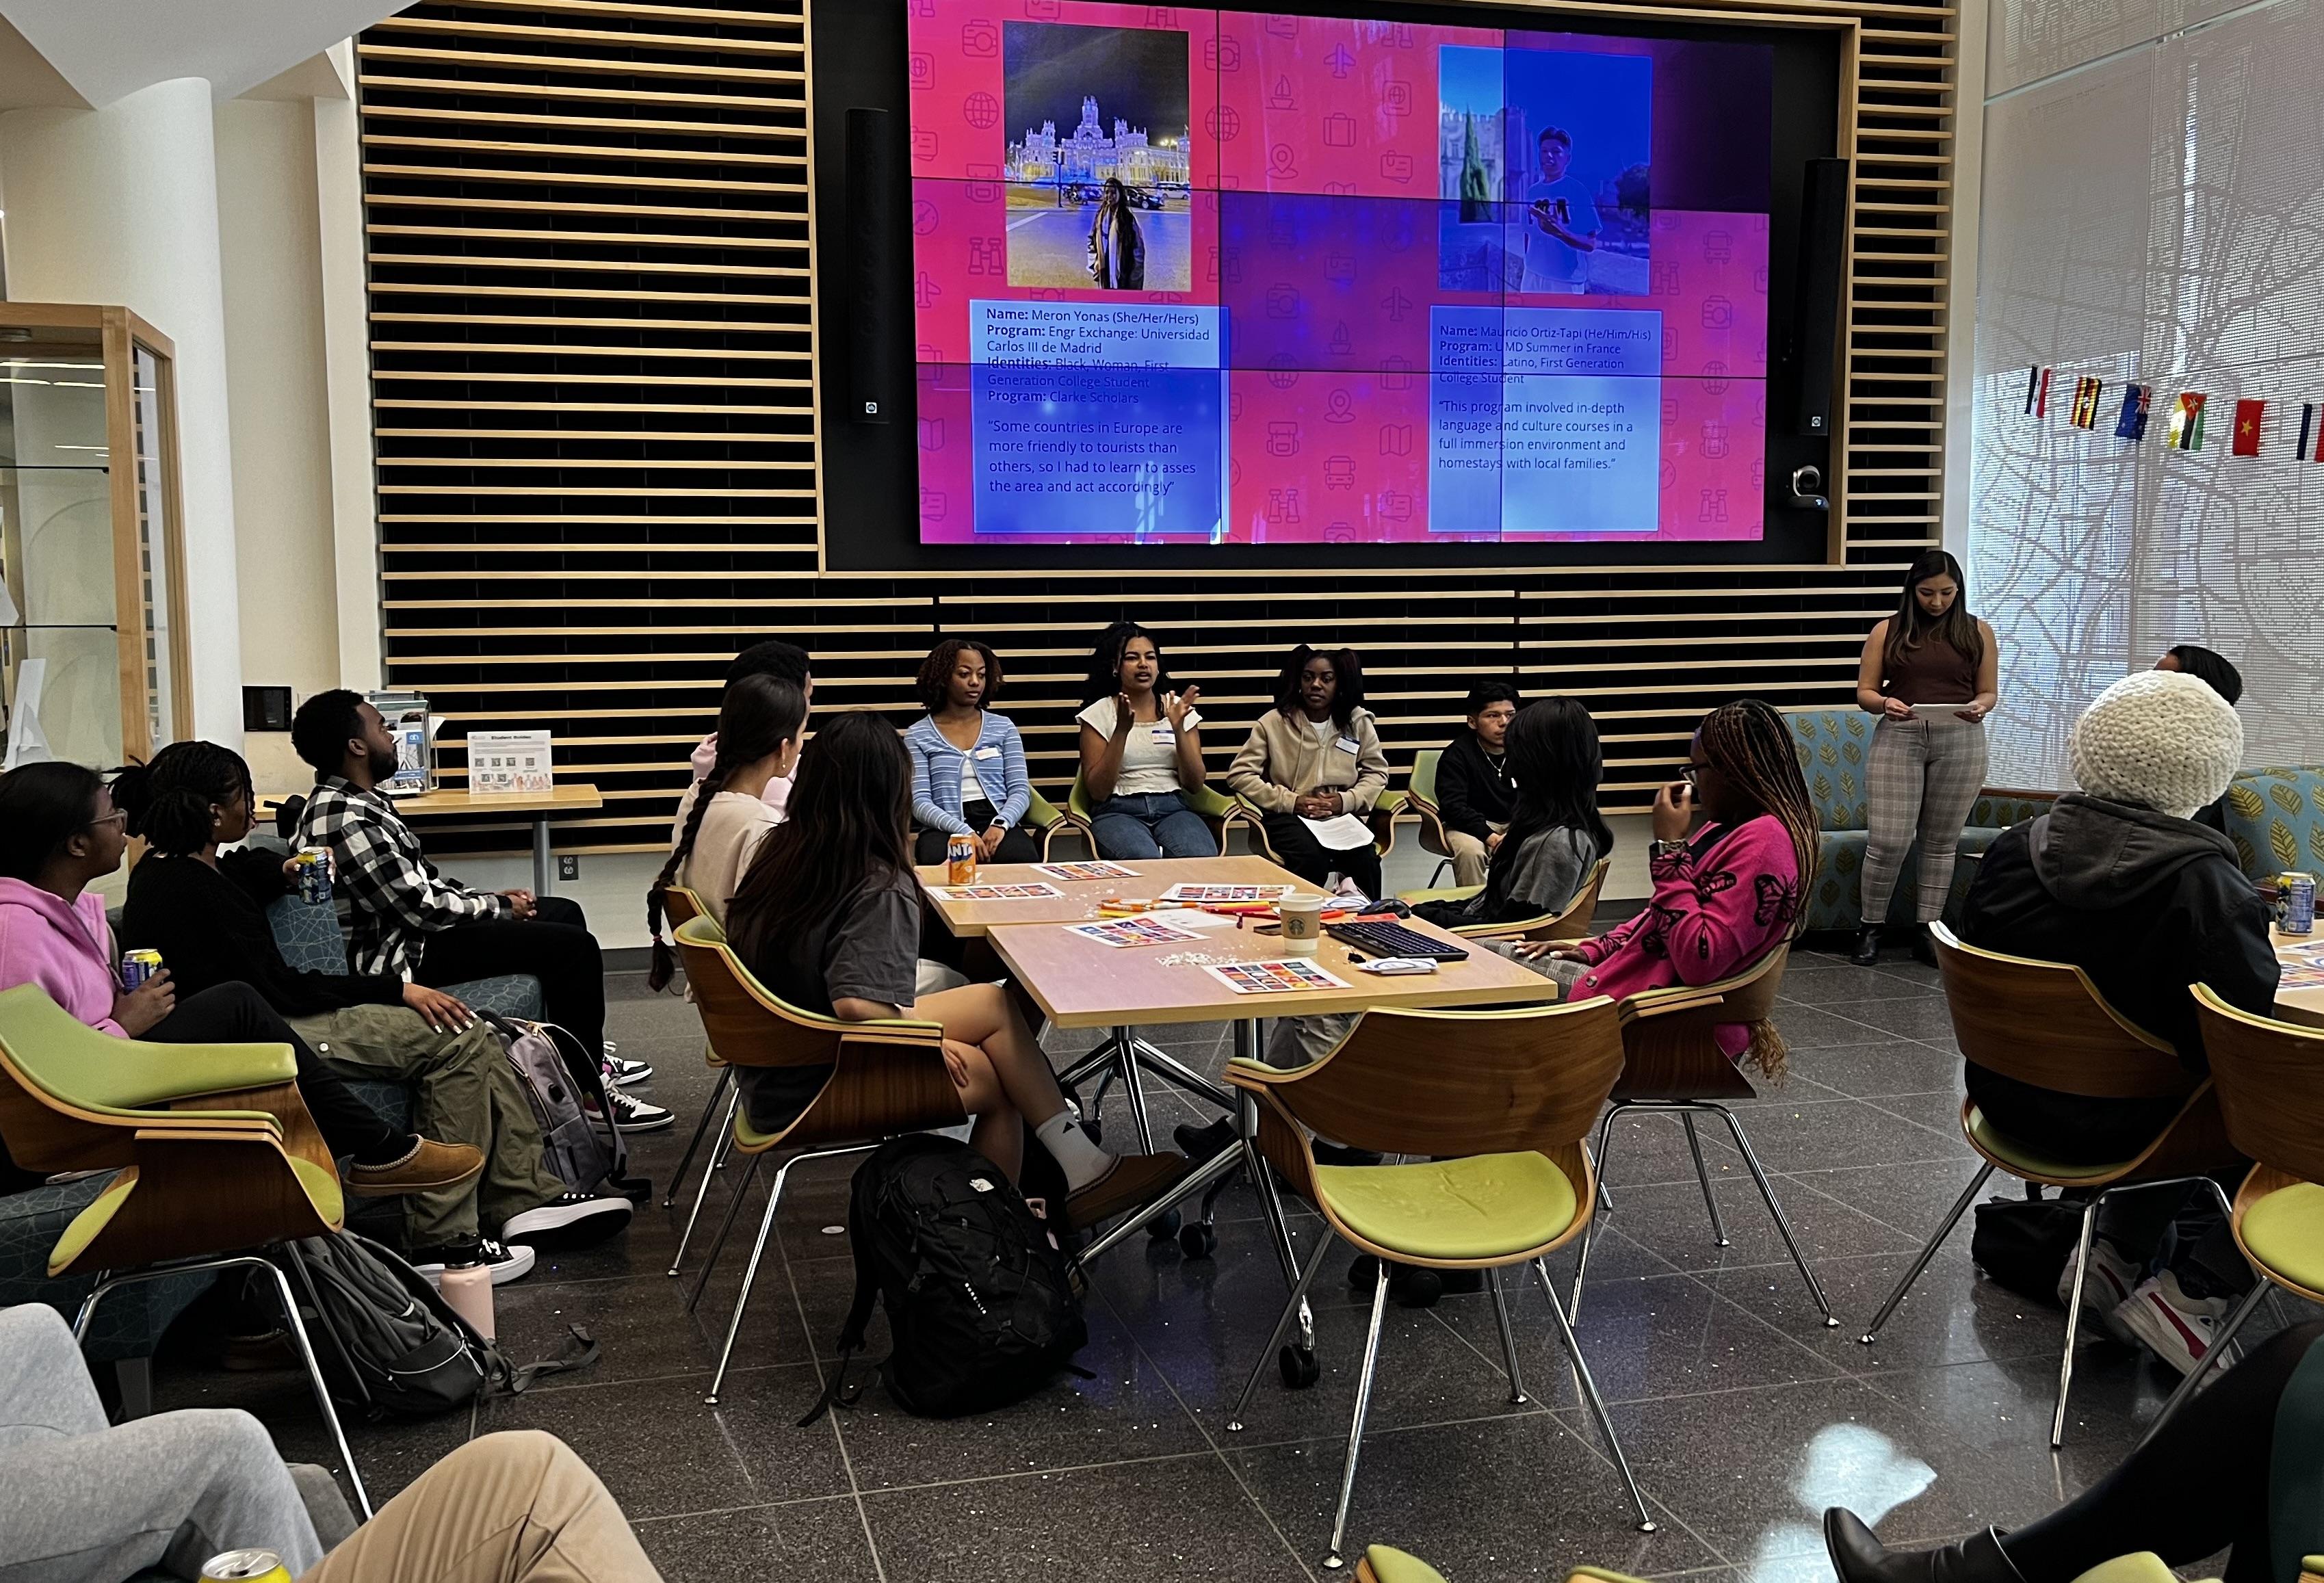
98,51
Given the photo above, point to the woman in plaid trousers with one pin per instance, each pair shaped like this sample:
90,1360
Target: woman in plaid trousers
1930,673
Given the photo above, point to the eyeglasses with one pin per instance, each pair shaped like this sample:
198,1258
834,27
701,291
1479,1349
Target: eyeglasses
1692,773
118,816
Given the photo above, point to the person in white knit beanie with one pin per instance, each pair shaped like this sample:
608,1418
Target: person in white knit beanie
2158,739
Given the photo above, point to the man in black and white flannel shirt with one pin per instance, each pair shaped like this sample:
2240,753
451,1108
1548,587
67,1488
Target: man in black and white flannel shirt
405,918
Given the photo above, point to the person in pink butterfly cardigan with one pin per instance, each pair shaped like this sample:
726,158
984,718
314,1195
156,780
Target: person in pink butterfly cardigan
1725,894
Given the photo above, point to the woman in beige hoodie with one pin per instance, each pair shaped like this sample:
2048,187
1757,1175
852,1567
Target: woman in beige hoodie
1316,755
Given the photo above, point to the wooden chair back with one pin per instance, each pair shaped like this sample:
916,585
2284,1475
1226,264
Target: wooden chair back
1666,1034
2044,1023
1571,923
680,906
887,1077
1449,1083
2270,1079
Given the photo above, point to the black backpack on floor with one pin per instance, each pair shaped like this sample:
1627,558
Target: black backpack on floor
389,1342
980,1302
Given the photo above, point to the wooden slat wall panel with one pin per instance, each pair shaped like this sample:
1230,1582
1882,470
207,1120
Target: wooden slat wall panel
590,255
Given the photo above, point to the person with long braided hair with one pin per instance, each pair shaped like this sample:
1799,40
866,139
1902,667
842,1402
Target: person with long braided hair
1725,894
205,911
724,816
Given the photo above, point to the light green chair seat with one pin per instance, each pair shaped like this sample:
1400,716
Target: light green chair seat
1443,893
748,1136
2145,1567
321,1186
2285,1232
1483,1206
2018,1158
1393,1566
83,1066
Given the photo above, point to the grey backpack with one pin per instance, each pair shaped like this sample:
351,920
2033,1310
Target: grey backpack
581,1151
389,1342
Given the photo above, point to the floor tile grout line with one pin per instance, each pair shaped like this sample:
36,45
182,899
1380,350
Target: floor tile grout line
731,1511
838,1434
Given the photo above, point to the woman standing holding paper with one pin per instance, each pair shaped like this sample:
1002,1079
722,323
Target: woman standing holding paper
1931,673
1313,758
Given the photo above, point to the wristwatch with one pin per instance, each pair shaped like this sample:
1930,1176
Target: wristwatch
1667,849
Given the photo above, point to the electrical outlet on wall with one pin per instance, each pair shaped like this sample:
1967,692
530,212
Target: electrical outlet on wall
569,868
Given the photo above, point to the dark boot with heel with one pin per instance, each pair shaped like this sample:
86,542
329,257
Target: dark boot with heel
1858,1557
1868,947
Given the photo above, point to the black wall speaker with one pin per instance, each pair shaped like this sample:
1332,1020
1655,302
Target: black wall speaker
873,265
1815,287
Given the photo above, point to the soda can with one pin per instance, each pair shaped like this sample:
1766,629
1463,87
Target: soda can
2298,903
960,860
136,967
245,1566
314,874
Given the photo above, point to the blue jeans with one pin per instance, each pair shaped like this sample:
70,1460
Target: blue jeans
1157,824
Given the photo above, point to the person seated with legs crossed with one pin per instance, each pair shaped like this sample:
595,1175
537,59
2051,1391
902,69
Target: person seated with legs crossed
205,911
2118,880
407,920
828,919
1474,794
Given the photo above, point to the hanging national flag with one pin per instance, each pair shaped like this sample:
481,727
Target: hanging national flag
2185,430
2037,390
2311,443
2250,417
2132,424
2086,402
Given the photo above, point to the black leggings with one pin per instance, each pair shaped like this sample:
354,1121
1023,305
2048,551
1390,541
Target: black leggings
1016,846
554,945
235,1014
2196,1488
1298,851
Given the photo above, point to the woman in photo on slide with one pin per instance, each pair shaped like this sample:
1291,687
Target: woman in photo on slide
1117,248
968,763
1931,673
1141,749
1315,755
828,918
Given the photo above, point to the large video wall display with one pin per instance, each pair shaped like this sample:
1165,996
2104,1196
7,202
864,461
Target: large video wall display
1197,277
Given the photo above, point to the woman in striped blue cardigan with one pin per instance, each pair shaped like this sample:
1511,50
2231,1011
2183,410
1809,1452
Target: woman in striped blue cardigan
968,764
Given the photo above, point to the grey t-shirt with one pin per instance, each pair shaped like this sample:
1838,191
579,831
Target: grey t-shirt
867,949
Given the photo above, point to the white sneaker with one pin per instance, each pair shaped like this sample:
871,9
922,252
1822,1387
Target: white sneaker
2111,1281
507,1263
573,1219
2176,1327
632,1114
621,1073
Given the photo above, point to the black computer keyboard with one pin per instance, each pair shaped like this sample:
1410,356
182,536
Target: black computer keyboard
1382,939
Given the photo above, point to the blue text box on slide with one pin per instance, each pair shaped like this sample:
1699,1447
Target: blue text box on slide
1566,437
1137,453
1097,335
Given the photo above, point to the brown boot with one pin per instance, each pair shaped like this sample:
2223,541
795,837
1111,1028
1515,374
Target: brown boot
429,1165
1132,1180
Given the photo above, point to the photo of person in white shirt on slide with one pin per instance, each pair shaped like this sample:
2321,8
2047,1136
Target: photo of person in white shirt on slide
1561,221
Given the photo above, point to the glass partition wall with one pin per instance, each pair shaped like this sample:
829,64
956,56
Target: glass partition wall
92,630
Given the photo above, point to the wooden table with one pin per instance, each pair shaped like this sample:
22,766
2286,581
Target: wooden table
975,920
565,797
1080,983
2304,1005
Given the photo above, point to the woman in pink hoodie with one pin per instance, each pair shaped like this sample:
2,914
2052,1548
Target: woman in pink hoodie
60,830
1724,896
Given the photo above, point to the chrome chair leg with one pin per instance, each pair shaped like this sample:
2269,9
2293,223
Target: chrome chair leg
1275,1336
1589,1394
1508,1338
726,1229
710,1168
1333,1560
2073,1319
2180,1397
1589,1232
709,1108
1133,1089
1783,1221
1702,1174
1928,1251
759,1251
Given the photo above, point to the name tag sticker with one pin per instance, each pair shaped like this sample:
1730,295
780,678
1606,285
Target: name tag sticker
988,753
1346,745
1166,732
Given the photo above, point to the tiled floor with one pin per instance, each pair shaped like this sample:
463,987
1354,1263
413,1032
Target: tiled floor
1742,1415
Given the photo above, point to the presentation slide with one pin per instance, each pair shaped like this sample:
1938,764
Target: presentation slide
1187,277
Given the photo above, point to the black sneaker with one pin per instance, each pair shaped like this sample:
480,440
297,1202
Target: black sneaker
632,1114
1199,1144
573,1219
507,1263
